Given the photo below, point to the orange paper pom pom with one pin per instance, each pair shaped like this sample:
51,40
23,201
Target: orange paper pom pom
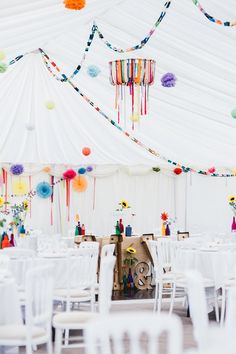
86,151
74,4
79,183
46,169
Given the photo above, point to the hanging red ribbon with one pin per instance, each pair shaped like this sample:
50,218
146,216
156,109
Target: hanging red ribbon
52,184
68,198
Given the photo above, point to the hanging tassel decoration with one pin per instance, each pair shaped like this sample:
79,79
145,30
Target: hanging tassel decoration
52,197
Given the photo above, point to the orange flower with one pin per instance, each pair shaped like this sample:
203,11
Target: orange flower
164,216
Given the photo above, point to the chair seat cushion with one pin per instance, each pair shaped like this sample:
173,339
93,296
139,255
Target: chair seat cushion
73,319
18,332
77,293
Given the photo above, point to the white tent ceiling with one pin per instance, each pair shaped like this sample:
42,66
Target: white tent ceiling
190,124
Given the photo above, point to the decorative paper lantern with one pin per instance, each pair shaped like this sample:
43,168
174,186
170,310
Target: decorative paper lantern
50,105
47,169
44,190
17,169
168,80
19,188
233,113
2,55
89,168
86,151
79,184
93,71
82,170
3,68
75,4
178,170
134,75
69,175
211,170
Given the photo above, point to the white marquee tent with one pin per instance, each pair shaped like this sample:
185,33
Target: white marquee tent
190,124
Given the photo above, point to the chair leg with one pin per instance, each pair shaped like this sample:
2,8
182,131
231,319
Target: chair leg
223,306
49,346
160,290
58,341
28,348
66,341
156,297
217,308
172,298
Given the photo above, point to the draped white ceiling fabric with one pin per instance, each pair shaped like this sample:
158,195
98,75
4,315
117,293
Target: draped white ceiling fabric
190,123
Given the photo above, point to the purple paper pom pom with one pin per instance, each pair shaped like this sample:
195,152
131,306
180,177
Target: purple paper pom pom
17,169
89,169
168,80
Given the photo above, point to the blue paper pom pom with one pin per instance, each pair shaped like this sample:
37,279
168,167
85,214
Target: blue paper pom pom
17,169
93,71
44,190
82,170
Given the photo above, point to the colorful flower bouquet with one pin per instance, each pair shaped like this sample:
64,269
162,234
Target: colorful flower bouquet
166,222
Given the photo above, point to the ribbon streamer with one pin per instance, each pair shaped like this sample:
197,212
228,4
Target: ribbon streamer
127,134
213,19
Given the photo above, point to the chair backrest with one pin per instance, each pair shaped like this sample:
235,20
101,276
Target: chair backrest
39,297
106,283
134,333
161,253
198,307
108,250
89,245
15,252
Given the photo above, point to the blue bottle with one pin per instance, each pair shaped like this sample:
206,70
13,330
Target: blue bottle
128,231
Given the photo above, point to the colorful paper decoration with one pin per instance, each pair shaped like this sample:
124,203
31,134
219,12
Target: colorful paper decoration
93,70
168,80
79,184
44,190
46,169
17,169
178,170
3,68
233,113
134,75
19,188
211,18
86,151
50,105
89,169
69,175
211,170
1,201
75,4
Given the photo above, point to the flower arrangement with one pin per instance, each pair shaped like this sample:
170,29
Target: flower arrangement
19,212
130,260
232,203
166,222
124,204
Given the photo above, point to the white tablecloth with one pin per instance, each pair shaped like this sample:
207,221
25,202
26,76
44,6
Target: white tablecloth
217,265
10,311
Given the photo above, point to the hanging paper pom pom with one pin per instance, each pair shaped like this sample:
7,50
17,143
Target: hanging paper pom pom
89,169
79,184
30,126
233,113
178,170
3,68
50,105
17,169
168,80
93,71
46,169
86,151
44,190
75,4
82,170
69,174
134,117
211,169
2,55
19,188
1,201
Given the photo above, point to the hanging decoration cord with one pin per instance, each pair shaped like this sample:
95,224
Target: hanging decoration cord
47,62
213,19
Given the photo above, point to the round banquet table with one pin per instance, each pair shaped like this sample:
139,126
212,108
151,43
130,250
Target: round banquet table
215,264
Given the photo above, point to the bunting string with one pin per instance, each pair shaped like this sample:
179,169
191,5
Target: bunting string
47,60
211,18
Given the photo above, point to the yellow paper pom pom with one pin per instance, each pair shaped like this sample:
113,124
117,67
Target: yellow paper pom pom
134,117
50,105
2,55
19,188
1,201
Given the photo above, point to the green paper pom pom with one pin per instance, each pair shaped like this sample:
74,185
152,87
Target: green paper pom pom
2,55
233,113
3,68
50,104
